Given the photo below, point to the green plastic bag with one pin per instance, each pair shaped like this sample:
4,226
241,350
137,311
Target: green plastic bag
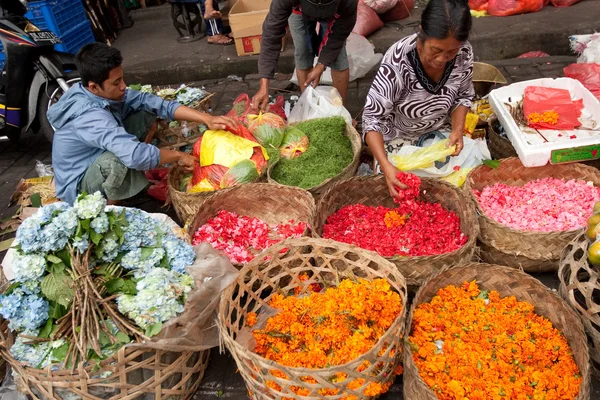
244,171
295,143
268,136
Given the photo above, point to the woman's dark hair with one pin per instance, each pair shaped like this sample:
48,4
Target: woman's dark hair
95,61
446,18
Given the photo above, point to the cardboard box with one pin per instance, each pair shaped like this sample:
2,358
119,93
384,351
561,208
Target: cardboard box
246,19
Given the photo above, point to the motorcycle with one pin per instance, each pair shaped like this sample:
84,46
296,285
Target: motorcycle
34,75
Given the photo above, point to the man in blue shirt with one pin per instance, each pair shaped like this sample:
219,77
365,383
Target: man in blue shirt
101,127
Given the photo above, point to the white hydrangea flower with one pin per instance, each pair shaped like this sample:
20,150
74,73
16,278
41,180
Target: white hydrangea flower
29,267
90,206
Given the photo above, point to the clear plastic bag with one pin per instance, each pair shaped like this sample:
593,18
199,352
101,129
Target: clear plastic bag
322,102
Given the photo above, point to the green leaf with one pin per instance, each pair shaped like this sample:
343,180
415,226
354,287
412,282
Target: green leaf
164,262
58,268
494,164
65,257
154,329
46,329
58,287
95,236
115,285
60,353
136,86
123,338
104,339
130,287
56,311
53,259
36,200
85,224
147,252
12,288
5,245
219,394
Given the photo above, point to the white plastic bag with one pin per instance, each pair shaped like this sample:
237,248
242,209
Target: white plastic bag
587,47
472,155
381,6
361,57
322,102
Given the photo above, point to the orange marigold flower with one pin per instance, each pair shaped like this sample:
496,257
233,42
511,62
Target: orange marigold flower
251,319
394,219
549,117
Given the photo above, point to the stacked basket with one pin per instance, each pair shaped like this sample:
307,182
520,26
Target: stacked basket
532,251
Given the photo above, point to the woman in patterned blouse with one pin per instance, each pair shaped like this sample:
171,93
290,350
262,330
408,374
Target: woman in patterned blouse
424,85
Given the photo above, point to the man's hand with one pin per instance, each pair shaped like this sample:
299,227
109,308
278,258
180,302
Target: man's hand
314,77
260,101
456,138
390,172
187,161
220,123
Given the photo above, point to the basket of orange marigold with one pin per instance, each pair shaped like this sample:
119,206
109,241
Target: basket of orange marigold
311,318
482,332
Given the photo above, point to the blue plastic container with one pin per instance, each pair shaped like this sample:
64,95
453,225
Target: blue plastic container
58,16
2,60
76,38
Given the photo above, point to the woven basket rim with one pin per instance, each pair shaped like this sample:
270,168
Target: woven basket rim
496,224
399,322
472,238
355,141
585,381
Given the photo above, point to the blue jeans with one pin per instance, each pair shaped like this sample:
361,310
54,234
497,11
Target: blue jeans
209,30
304,51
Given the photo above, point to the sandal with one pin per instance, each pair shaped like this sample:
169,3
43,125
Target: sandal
223,41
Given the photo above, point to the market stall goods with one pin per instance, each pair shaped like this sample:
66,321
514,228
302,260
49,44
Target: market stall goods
333,153
478,330
92,283
500,147
315,282
539,247
245,220
443,232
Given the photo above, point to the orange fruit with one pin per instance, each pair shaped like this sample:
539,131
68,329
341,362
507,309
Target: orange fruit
597,208
593,220
594,253
592,233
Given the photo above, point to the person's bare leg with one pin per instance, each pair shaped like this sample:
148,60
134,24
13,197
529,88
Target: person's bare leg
341,79
302,74
113,202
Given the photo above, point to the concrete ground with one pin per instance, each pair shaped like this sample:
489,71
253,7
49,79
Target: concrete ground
152,54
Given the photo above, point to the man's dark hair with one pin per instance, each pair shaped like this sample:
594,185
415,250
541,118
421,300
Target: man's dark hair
95,61
446,18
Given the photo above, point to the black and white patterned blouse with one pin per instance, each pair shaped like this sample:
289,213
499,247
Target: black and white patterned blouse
403,103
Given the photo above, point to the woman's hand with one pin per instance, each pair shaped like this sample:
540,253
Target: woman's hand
456,139
220,123
390,172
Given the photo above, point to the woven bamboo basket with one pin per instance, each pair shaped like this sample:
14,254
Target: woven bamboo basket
186,204
273,272
373,191
580,287
507,282
348,172
500,147
274,204
519,248
133,372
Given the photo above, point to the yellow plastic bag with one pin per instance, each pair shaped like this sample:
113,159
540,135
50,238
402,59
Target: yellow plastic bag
458,178
226,149
423,158
470,124
203,186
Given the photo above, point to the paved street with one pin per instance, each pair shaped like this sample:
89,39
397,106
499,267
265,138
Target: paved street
222,379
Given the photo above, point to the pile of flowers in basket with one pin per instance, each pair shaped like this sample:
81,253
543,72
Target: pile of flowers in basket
242,237
542,205
414,228
328,327
468,343
89,279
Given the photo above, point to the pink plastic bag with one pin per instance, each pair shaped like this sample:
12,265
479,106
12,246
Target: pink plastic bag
400,11
478,5
534,54
503,8
381,6
588,74
564,3
540,99
367,20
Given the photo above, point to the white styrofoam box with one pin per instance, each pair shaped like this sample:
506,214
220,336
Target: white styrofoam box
534,149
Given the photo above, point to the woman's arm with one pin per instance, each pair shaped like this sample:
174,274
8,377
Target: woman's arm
375,142
464,99
459,116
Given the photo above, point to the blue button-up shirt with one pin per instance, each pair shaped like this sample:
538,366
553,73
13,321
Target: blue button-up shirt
87,126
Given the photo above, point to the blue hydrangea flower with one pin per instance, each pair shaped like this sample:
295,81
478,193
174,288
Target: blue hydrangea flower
29,235
46,213
81,244
28,267
37,355
110,248
141,231
100,224
160,297
90,206
180,253
24,312
135,261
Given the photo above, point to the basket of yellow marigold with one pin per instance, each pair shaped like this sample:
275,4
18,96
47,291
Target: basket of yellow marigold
313,318
481,331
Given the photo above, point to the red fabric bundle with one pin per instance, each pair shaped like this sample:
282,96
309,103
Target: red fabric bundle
588,74
367,20
160,187
400,11
564,3
478,5
503,8
540,99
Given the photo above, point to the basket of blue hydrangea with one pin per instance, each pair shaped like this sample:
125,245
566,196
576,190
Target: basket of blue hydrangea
108,302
